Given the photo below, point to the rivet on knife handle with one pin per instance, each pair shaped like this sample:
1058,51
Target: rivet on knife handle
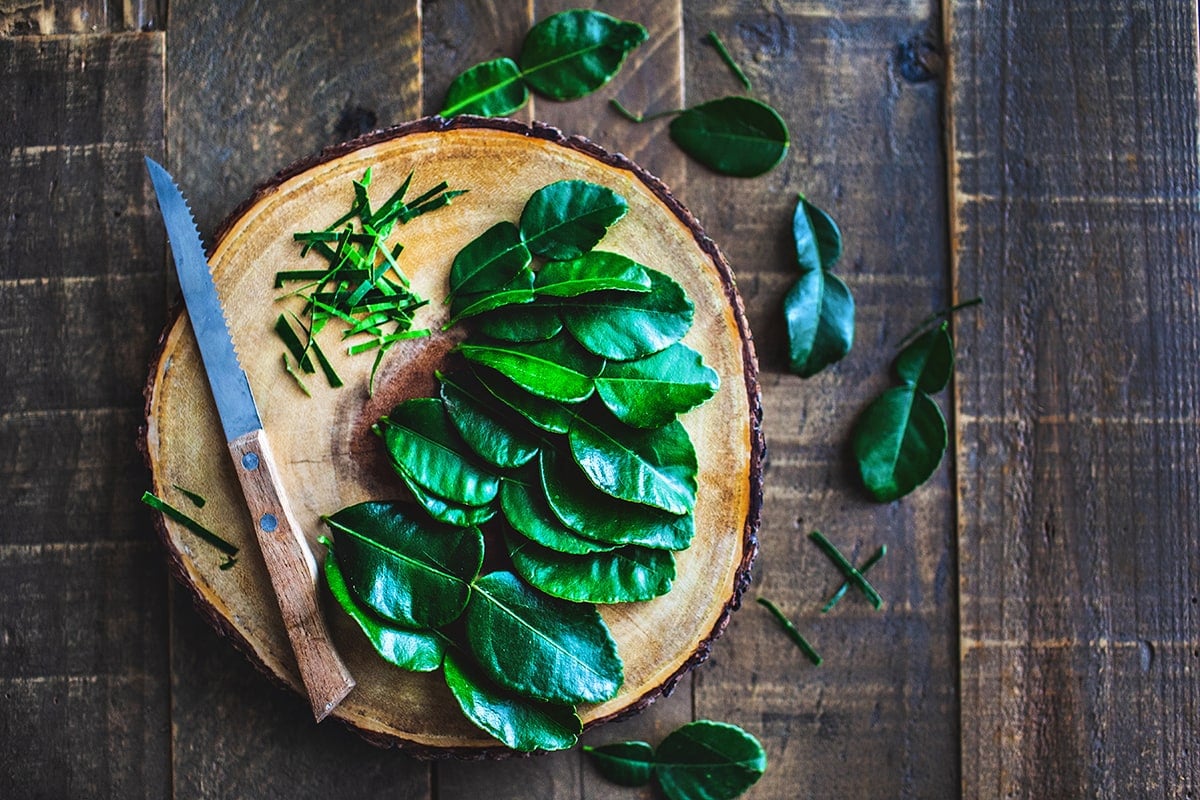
293,573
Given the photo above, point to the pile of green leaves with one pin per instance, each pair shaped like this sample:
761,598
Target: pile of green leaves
819,308
361,284
702,760
564,57
557,427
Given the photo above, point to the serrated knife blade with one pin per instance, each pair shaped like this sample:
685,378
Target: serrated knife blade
290,562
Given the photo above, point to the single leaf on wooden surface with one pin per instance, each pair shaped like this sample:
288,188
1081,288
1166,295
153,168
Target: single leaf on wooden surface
589,512
539,646
489,261
573,53
494,435
625,575
928,361
557,369
649,392
524,505
654,467
521,723
414,572
524,323
707,760
899,441
491,89
412,650
565,219
623,763
423,443
593,271
733,136
626,325
819,308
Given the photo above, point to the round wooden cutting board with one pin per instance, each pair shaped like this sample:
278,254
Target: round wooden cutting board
329,458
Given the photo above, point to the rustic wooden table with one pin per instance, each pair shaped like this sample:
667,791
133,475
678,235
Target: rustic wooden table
1041,635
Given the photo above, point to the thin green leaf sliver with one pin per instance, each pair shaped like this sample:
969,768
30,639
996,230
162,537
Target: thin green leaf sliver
166,509
899,441
734,136
623,763
707,760
522,723
414,572
540,646
792,631
626,575
412,650
491,89
565,219
571,54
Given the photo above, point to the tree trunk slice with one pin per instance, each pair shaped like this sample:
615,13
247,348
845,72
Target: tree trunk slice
328,457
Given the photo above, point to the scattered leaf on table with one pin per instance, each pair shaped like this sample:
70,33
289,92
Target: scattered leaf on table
573,53
491,89
623,763
706,760
819,308
733,135
928,362
899,441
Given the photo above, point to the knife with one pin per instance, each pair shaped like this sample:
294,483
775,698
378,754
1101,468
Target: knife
290,562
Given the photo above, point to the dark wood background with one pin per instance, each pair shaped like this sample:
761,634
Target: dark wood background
1040,637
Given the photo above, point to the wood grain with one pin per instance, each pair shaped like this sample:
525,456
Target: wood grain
1076,200
83,626
45,17
879,718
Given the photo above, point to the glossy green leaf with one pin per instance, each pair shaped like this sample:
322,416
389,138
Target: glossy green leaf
491,89
624,575
820,319
591,272
928,361
540,646
817,237
655,467
623,763
706,760
422,442
412,650
733,136
557,369
525,508
566,219
442,509
525,323
649,392
819,308
899,441
573,53
549,415
492,434
489,261
516,292
414,572
519,722
623,325
591,513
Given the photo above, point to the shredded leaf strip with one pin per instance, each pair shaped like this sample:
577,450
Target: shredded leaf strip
290,370
792,632
168,510
848,569
197,500
293,343
728,59
841,592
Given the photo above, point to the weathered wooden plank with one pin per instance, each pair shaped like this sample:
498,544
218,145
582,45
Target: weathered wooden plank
251,88
1076,214
44,17
83,627
879,718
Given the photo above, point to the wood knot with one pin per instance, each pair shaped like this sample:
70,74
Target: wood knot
920,60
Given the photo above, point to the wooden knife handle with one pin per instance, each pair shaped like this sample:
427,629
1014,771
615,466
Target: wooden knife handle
293,572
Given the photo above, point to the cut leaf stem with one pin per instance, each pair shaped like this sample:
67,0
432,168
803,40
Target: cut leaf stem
792,632
848,569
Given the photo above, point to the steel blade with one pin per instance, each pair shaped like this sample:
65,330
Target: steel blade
230,388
